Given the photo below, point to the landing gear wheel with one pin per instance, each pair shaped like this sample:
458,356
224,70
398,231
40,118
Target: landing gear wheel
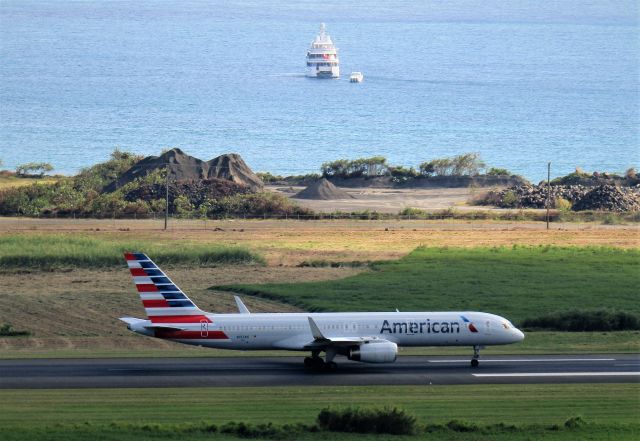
331,366
476,356
317,363
308,362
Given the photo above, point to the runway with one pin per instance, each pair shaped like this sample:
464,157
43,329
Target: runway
288,371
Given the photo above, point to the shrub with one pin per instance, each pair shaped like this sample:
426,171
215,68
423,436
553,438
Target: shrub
574,423
494,171
362,167
38,167
7,330
467,164
387,420
585,321
509,199
401,174
563,204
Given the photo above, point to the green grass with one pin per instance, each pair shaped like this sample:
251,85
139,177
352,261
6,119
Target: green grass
518,282
610,409
31,251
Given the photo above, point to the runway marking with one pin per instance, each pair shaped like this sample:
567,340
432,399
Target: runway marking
561,374
127,369
524,360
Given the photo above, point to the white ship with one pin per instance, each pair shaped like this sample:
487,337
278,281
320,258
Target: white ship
322,57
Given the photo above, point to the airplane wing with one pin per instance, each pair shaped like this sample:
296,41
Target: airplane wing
320,341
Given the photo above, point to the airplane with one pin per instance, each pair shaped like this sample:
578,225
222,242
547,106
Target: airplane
369,337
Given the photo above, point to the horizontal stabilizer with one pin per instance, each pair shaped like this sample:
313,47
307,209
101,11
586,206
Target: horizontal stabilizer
132,321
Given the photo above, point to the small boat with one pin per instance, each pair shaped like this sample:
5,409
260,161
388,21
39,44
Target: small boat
356,77
322,57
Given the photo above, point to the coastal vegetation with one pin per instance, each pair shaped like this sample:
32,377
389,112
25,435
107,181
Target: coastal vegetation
86,195
129,186
517,282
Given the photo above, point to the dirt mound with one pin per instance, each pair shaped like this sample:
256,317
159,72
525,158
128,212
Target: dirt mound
183,167
233,168
324,190
609,198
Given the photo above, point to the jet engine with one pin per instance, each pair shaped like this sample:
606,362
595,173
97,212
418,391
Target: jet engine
382,352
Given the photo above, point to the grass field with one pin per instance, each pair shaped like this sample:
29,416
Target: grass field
8,181
292,242
517,282
611,409
81,251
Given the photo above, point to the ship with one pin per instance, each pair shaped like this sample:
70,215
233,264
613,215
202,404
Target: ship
322,57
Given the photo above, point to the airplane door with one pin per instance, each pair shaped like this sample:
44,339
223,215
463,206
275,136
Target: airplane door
204,329
487,327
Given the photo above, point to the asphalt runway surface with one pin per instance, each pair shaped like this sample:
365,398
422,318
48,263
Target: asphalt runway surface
289,371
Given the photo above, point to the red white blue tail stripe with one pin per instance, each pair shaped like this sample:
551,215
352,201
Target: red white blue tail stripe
163,301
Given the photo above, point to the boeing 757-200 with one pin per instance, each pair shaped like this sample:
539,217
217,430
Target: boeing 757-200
369,337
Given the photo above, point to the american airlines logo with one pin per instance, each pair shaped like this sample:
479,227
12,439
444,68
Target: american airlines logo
426,327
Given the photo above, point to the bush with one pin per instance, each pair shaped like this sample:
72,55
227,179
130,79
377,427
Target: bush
7,330
387,420
563,204
467,164
362,167
585,321
494,171
401,174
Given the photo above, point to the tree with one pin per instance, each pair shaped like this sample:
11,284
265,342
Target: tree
35,167
467,164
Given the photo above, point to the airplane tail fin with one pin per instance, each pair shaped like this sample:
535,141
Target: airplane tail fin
163,301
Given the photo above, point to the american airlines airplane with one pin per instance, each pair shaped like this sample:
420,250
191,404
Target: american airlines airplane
369,337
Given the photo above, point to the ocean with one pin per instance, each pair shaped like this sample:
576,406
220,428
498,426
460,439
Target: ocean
520,82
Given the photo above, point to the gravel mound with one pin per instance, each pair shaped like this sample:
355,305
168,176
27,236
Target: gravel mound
603,197
323,190
183,167
609,198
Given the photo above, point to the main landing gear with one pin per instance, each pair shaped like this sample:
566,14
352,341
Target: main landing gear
316,363
475,362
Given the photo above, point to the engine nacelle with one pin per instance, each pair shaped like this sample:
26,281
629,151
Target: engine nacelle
382,352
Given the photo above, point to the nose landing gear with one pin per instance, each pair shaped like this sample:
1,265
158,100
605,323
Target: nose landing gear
475,362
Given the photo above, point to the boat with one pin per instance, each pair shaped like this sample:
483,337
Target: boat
356,77
322,57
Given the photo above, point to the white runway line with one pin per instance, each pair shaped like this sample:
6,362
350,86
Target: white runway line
561,374
524,360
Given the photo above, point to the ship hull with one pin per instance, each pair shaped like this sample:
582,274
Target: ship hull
334,72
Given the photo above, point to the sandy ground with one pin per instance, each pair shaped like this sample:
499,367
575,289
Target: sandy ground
388,200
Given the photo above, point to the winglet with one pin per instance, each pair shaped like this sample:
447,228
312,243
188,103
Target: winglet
315,331
242,309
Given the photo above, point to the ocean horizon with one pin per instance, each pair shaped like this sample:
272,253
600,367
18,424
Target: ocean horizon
520,82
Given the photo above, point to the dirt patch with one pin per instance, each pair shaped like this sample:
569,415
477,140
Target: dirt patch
383,200
58,306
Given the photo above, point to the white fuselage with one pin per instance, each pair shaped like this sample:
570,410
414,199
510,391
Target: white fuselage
291,331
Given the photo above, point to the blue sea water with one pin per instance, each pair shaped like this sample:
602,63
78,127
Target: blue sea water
521,82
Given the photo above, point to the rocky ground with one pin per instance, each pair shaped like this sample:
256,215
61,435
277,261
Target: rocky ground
603,197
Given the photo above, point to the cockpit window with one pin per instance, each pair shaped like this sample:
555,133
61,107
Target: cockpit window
505,325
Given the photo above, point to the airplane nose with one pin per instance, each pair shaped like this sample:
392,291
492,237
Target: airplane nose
519,335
